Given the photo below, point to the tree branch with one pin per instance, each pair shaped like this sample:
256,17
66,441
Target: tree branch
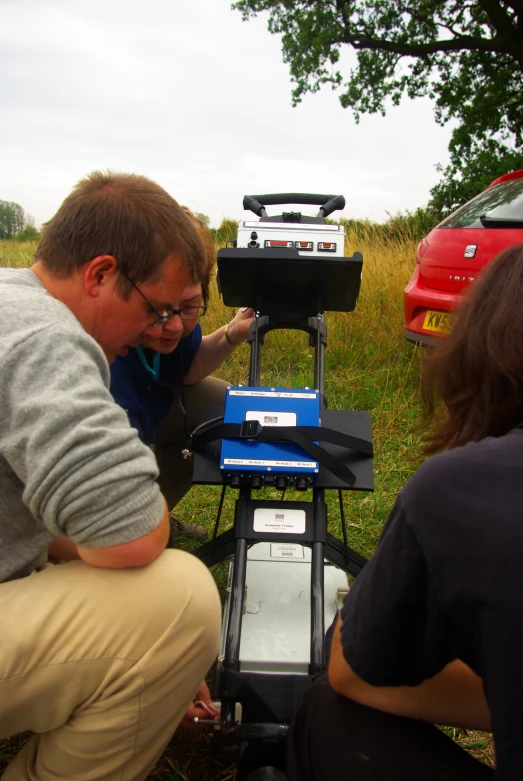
459,43
448,27
499,17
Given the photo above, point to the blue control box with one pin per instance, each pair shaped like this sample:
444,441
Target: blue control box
270,407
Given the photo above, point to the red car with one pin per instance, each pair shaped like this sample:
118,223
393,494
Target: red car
453,254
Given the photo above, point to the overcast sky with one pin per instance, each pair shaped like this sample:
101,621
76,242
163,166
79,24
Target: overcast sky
189,95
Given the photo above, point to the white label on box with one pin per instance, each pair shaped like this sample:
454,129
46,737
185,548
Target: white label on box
279,521
287,551
272,394
266,418
271,463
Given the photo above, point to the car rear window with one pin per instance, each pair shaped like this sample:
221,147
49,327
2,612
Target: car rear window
504,201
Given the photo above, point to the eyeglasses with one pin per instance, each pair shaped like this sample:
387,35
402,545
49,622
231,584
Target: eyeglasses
186,313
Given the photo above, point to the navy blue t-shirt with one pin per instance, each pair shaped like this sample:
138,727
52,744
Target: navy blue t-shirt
146,399
446,583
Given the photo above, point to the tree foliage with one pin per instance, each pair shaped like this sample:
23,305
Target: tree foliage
484,164
29,233
467,56
204,219
12,219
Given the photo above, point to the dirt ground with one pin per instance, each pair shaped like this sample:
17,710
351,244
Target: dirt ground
194,755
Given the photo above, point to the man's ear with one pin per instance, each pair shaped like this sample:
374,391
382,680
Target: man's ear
99,273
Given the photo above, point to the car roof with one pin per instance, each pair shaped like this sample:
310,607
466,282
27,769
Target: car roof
506,177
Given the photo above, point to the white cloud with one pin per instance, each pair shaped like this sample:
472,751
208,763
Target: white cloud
188,94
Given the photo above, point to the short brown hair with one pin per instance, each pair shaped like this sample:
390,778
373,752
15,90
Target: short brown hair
124,215
473,380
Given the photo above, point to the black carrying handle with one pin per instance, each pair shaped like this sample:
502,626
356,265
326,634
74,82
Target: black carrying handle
328,203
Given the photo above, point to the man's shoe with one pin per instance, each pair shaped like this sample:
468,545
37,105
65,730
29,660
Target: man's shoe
190,529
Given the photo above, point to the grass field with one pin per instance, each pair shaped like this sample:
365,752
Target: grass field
369,366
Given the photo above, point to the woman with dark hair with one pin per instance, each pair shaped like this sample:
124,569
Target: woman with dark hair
165,381
432,630
473,382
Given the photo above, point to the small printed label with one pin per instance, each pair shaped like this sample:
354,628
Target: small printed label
287,551
272,394
271,463
279,521
272,418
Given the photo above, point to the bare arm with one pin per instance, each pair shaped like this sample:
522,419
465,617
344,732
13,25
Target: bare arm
136,553
454,696
215,347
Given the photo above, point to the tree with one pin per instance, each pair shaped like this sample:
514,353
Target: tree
29,233
203,218
12,219
467,56
461,183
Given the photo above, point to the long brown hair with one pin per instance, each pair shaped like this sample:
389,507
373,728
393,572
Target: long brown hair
209,247
472,383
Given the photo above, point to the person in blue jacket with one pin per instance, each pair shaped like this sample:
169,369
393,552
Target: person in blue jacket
163,382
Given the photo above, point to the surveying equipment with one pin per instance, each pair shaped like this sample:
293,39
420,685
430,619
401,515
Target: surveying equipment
287,574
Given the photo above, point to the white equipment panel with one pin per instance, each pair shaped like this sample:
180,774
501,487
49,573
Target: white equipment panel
276,621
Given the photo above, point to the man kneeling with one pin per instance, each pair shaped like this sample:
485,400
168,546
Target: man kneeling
101,655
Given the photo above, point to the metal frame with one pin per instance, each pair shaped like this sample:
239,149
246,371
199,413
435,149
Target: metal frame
269,700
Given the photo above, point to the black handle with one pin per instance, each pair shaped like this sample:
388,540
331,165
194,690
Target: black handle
250,202
335,202
328,203
312,199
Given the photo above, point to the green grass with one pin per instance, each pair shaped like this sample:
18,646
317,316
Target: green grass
368,366
15,254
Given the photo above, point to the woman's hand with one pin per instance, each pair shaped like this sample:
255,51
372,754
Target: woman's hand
240,324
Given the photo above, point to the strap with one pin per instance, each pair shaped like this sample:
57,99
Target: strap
153,370
302,436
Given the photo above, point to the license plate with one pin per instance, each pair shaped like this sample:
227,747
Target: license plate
437,321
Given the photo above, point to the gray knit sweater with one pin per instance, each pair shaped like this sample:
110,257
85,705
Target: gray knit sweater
70,464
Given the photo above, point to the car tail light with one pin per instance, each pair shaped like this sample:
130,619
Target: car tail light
422,248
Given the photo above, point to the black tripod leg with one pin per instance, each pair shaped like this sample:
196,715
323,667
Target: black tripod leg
234,627
317,664
348,560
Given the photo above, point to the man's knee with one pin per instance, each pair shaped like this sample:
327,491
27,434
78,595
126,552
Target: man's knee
183,576
173,600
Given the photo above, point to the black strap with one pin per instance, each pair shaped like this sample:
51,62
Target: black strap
302,436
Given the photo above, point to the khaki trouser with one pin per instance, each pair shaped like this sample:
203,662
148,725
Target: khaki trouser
102,664
176,472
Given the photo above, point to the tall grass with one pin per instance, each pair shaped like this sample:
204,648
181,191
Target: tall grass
14,254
